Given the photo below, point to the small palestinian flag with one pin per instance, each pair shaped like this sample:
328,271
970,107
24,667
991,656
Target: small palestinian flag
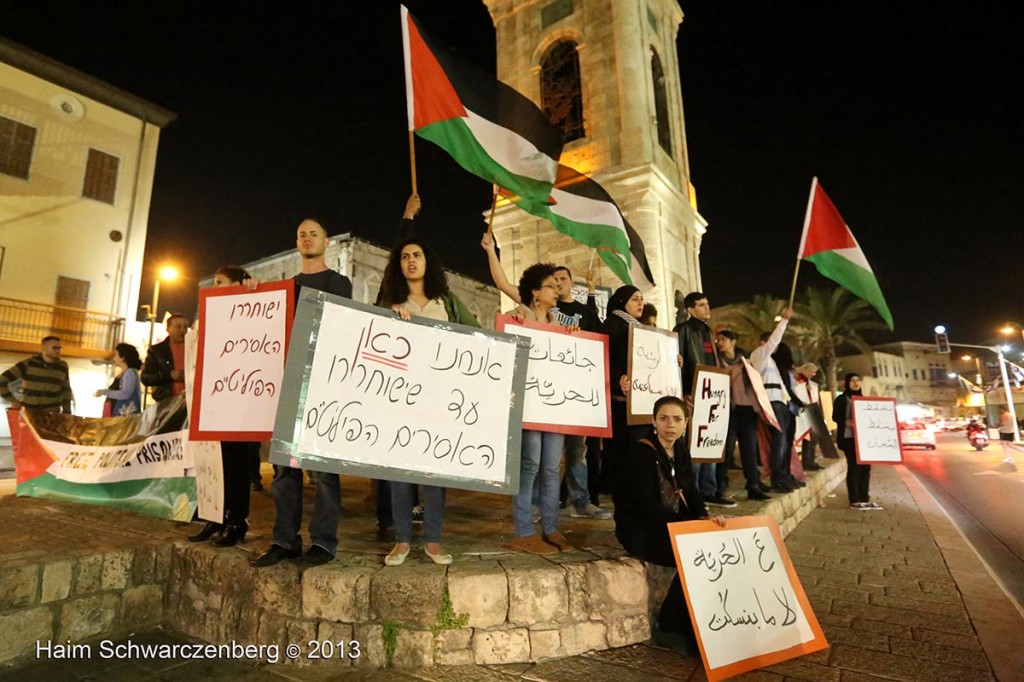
828,243
488,128
581,208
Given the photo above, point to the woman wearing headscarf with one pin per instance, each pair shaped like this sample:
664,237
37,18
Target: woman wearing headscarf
858,476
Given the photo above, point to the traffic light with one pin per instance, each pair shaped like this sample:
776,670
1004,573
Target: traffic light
942,343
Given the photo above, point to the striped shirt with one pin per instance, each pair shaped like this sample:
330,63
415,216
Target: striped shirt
44,386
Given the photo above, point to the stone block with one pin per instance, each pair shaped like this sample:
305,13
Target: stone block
21,630
579,638
303,632
56,581
545,644
278,589
163,556
142,605
117,569
143,566
19,586
454,647
248,623
576,584
338,593
413,649
480,590
628,630
494,647
87,617
371,645
616,587
536,593
273,629
198,565
89,577
409,596
341,637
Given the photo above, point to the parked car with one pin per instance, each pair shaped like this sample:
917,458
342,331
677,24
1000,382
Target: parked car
917,434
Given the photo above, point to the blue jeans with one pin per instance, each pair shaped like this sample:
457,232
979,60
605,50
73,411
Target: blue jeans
323,526
576,471
541,455
782,444
745,418
402,500
704,476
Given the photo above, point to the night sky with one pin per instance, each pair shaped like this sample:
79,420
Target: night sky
908,112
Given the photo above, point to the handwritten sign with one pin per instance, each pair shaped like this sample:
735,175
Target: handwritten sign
709,425
601,296
566,379
876,431
243,339
419,401
745,599
209,478
764,405
653,371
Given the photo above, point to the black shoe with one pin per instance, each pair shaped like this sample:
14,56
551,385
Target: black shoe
764,486
256,486
385,533
275,555
796,484
782,488
315,556
757,495
719,501
233,534
208,531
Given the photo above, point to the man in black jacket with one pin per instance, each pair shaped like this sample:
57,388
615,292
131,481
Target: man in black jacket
164,369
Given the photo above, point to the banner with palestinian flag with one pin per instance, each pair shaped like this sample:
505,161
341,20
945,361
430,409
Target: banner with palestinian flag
582,209
828,243
109,462
487,127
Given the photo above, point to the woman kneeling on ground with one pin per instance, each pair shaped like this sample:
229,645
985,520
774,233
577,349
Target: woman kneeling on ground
657,488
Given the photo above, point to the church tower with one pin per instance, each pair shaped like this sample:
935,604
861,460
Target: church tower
607,72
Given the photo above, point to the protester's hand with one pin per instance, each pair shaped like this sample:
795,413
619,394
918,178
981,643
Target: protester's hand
177,375
15,404
400,310
689,404
519,313
412,207
99,392
787,313
572,328
589,277
719,519
624,383
251,283
487,242
679,361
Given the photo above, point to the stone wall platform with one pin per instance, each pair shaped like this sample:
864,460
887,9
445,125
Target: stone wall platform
76,572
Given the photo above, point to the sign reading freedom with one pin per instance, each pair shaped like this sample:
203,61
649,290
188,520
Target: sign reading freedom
369,394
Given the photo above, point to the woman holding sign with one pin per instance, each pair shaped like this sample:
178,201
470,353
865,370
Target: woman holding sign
414,283
858,476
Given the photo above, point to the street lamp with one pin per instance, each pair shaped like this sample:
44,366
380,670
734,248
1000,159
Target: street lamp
167,273
1010,327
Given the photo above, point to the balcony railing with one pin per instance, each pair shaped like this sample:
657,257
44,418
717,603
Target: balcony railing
82,332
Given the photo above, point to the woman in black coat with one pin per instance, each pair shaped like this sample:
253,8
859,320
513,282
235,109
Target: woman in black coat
858,476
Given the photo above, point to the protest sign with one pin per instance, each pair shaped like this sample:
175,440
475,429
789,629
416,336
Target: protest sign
745,600
243,341
653,371
566,379
209,478
709,424
419,401
764,406
876,431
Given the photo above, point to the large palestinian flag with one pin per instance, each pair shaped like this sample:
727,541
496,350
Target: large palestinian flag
828,243
488,128
581,208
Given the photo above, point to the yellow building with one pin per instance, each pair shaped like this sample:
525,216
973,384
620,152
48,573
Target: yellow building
77,158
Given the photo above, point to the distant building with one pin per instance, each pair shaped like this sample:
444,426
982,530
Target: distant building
77,158
908,371
363,262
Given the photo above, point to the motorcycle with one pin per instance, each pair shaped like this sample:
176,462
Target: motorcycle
978,438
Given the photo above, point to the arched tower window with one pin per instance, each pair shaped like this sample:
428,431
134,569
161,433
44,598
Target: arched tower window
661,103
560,92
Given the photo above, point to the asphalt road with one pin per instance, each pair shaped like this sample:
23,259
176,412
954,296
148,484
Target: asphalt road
984,496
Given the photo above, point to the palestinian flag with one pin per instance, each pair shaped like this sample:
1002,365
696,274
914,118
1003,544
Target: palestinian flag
828,243
581,208
488,128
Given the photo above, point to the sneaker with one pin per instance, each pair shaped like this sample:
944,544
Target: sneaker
590,512
859,506
417,514
533,544
719,501
871,506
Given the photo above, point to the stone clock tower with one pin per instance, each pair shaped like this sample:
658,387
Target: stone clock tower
607,72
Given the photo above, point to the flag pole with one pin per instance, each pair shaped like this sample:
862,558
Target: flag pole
412,160
803,241
410,105
494,205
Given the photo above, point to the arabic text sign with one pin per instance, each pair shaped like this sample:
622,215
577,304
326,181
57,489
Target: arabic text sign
419,401
566,379
653,371
709,425
764,405
745,600
243,339
876,431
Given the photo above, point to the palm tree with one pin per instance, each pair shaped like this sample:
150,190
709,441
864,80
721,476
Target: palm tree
750,319
828,320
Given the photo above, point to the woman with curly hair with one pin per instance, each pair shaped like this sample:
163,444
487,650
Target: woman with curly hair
414,283
123,397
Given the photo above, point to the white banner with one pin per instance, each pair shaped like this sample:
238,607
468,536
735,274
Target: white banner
876,431
209,479
160,456
653,371
709,425
410,400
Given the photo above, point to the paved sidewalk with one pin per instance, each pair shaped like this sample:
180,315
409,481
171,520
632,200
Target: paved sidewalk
878,581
